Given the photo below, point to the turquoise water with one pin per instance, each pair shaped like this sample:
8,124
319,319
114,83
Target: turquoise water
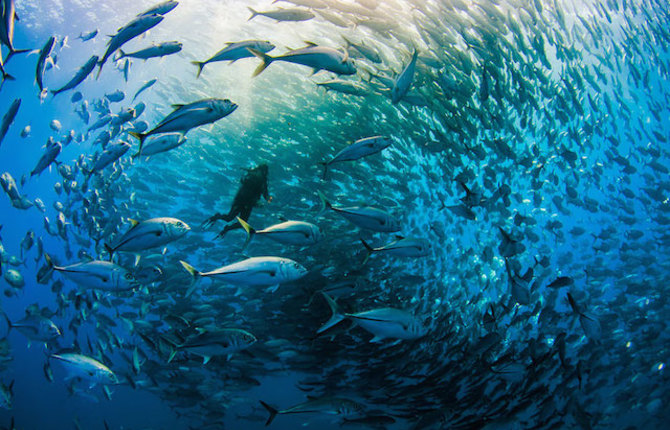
553,116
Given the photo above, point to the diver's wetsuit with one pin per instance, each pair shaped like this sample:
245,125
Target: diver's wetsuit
254,185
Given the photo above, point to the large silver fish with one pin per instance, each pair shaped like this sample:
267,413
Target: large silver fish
97,275
86,368
254,271
186,117
402,247
234,51
283,14
149,234
128,32
359,149
216,342
155,51
324,405
51,152
8,118
289,232
383,323
404,80
79,77
7,22
316,57
365,217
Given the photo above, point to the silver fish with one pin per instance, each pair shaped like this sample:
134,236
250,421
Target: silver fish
234,51
316,57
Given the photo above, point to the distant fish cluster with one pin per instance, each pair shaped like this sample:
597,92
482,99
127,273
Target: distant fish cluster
505,268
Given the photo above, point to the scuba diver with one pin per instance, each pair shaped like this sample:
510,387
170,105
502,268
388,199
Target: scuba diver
254,184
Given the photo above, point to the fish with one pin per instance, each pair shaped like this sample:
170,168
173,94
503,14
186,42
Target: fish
367,52
116,97
131,30
53,149
188,116
359,149
210,343
404,80
383,323
112,153
44,56
163,143
235,51
97,275
86,368
85,37
283,14
8,118
148,84
288,232
401,247
161,8
324,405
79,77
35,327
14,278
155,51
149,234
365,217
7,24
344,87
254,271
316,57
7,398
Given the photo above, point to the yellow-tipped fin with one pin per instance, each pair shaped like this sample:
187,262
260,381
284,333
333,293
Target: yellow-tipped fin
249,229
266,60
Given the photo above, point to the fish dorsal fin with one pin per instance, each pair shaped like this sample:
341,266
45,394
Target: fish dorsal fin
399,237
310,44
133,222
177,106
311,397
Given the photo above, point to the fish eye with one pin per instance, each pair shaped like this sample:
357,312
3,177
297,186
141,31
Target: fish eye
128,276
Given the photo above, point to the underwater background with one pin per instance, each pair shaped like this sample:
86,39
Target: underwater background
526,164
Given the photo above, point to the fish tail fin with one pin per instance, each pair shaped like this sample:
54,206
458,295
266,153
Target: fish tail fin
573,305
141,137
172,354
253,13
194,273
8,321
336,316
249,229
200,65
272,411
266,61
12,52
325,204
368,249
110,250
121,55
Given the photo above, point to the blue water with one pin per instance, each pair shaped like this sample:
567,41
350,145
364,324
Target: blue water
565,146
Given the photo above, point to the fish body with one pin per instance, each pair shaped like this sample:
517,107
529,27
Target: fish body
14,278
316,57
45,53
112,153
235,51
149,234
85,37
283,14
87,368
218,342
80,76
344,87
36,328
186,117
403,247
128,32
324,405
52,151
8,118
161,8
359,149
366,51
404,80
146,85
7,24
289,232
98,275
157,144
160,50
383,323
366,217
255,271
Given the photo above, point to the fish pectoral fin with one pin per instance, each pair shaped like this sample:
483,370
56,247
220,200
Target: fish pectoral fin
376,339
205,359
272,288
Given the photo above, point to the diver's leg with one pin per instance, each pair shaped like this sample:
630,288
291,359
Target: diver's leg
244,214
211,220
